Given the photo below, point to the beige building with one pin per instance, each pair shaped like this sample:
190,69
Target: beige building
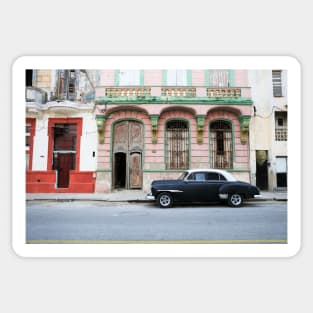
268,129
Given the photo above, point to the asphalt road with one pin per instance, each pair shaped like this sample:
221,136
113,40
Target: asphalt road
103,222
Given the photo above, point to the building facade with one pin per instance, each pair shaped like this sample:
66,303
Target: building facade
269,129
153,124
105,130
60,132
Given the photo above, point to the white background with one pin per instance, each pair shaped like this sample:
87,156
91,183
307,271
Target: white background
158,28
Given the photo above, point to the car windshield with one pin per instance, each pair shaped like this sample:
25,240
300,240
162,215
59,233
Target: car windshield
182,175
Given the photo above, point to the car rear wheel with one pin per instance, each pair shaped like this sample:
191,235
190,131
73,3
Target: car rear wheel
235,200
165,200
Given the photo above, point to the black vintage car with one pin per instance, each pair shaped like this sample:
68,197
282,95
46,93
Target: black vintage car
202,185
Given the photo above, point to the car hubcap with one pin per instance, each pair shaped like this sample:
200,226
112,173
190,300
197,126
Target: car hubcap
236,199
165,200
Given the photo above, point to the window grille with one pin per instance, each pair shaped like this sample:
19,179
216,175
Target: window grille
219,78
177,145
281,129
277,84
221,145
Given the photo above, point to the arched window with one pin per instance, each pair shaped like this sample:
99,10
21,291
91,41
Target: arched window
221,145
177,145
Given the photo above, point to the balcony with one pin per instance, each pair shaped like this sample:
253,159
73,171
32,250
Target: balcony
178,92
224,92
114,92
172,94
37,95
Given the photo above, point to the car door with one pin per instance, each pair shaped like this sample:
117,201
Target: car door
214,182
195,187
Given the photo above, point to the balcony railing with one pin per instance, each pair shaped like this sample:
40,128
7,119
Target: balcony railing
178,92
33,94
128,92
223,92
156,93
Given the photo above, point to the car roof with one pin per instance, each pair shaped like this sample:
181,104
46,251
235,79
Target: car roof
226,174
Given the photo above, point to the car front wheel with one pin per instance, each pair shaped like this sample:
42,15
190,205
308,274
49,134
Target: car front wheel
235,200
165,200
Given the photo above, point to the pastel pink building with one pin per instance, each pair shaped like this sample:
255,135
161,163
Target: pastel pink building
153,124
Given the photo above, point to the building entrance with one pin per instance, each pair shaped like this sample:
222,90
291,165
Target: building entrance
127,155
64,152
261,169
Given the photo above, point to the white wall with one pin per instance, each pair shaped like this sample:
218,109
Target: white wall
40,145
88,143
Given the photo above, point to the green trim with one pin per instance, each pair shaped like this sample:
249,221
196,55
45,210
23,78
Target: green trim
189,141
189,78
101,117
207,78
164,171
100,121
239,171
232,135
244,121
142,77
174,100
116,77
103,171
231,74
164,77
154,127
200,125
179,171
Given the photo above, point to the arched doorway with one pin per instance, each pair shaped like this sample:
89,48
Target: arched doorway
127,155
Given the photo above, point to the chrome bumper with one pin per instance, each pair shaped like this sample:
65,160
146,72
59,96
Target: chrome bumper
257,196
149,196
223,196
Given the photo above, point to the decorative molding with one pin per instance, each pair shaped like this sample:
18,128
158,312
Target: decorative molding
100,126
175,100
244,121
154,128
200,125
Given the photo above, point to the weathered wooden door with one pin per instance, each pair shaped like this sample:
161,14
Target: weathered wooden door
128,140
135,172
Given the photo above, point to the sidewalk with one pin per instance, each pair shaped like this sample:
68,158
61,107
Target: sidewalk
128,195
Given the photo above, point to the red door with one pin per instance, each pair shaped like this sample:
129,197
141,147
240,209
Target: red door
64,166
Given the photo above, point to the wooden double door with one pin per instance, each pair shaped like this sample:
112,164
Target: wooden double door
127,155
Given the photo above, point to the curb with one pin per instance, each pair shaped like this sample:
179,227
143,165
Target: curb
130,200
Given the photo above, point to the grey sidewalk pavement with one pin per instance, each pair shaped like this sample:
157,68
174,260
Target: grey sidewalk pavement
129,195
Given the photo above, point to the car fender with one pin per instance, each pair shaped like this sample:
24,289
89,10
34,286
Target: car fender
234,187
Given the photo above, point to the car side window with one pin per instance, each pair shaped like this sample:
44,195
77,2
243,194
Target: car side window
191,177
200,176
213,176
222,177
197,176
